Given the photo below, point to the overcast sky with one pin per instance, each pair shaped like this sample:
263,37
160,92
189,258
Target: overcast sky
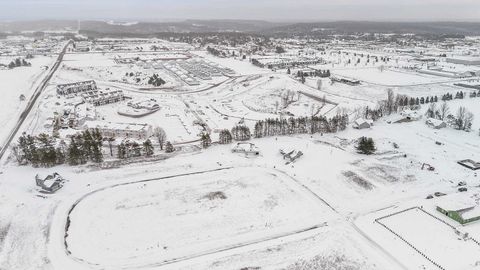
274,10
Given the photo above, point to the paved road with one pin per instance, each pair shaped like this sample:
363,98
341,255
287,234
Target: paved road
38,91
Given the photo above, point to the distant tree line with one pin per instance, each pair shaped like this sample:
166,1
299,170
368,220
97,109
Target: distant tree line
47,151
300,125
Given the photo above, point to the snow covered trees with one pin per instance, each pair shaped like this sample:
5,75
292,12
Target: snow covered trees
301,125
225,137
443,111
241,133
156,81
206,140
45,151
18,62
169,147
148,148
161,136
464,119
365,146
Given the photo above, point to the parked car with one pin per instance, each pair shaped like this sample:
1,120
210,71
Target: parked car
439,194
462,189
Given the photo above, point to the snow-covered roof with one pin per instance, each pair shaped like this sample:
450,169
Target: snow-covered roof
456,202
361,121
411,114
115,126
434,122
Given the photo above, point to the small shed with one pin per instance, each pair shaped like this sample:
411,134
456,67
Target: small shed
362,123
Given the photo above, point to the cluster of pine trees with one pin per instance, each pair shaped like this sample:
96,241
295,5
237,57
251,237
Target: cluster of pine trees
238,133
300,125
225,136
129,149
206,140
216,52
417,101
155,80
44,151
241,133
19,63
365,146
433,99
47,151
84,147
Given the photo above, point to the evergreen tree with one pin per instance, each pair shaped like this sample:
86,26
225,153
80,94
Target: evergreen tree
206,141
169,147
47,152
121,151
33,150
225,136
241,133
148,148
365,146
73,156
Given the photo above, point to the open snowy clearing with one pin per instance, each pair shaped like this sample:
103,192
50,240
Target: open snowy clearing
388,77
147,223
435,239
16,82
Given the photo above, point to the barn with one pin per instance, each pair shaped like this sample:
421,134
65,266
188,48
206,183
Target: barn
459,207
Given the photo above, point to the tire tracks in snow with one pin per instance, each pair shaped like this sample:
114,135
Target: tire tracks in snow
206,252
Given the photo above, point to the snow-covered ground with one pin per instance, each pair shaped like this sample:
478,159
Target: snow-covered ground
193,214
16,82
214,209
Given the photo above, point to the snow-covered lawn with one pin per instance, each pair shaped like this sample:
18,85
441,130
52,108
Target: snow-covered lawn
16,82
435,239
388,77
158,221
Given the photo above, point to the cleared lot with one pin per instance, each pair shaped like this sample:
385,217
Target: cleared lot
434,239
161,221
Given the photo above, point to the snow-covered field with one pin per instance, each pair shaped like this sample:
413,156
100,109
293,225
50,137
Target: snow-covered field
388,77
214,209
190,215
16,82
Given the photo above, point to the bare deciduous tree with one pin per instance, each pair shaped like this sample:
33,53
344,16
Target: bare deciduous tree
444,110
161,136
